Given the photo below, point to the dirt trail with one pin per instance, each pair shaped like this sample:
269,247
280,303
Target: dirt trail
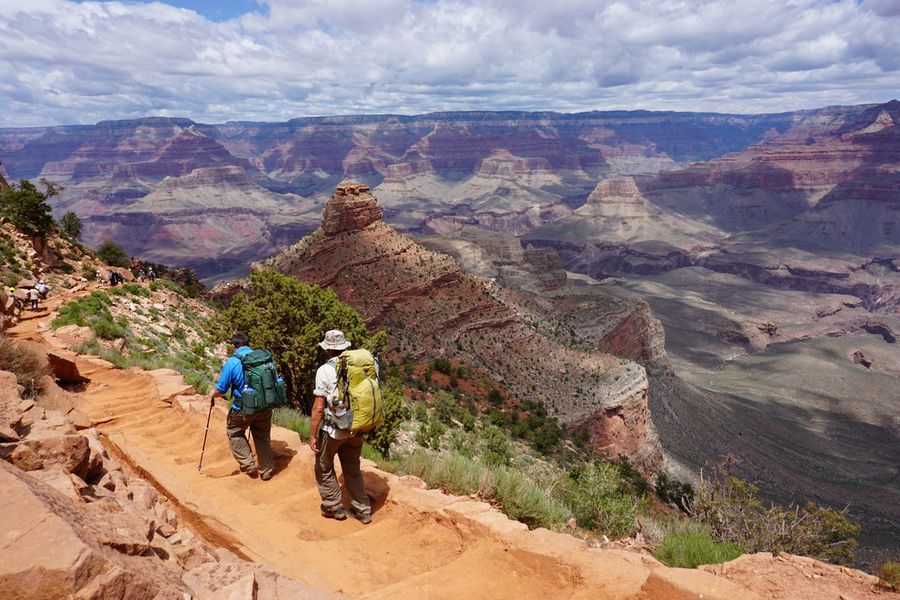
421,543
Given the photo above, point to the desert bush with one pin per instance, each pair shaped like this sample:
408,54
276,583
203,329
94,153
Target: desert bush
430,434
292,419
731,509
81,310
516,493
113,254
691,549
442,365
673,492
10,278
26,364
395,413
88,273
107,328
600,499
889,574
494,397
496,448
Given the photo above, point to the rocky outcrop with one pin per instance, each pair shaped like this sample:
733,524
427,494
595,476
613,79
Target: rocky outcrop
639,337
351,208
79,523
431,308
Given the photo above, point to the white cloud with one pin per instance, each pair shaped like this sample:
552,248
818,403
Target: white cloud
68,62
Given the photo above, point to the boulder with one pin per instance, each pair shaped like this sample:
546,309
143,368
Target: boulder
69,451
62,363
79,420
56,548
58,478
8,434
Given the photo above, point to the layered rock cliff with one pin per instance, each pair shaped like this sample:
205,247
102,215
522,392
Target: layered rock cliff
430,308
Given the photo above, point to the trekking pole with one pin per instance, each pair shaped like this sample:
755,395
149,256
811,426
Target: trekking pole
202,450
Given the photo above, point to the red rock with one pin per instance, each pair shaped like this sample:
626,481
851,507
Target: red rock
351,208
59,549
62,363
69,451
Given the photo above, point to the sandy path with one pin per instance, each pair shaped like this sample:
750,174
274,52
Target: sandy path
421,544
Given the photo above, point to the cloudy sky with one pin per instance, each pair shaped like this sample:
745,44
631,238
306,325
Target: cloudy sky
64,62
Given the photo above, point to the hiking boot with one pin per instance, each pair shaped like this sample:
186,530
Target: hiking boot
337,515
251,473
363,518
266,476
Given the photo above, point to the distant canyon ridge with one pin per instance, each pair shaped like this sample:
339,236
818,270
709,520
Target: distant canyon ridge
768,246
215,197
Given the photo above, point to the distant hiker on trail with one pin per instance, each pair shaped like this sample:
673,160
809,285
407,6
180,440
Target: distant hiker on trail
150,274
34,295
336,437
259,422
142,275
42,288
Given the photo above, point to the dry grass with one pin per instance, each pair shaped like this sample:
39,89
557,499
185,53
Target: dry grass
25,363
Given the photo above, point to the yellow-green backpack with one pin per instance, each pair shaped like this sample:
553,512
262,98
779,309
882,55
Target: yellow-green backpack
358,385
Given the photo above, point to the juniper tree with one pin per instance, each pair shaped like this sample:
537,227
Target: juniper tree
289,318
27,206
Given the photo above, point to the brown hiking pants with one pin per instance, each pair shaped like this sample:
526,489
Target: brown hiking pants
348,450
260,425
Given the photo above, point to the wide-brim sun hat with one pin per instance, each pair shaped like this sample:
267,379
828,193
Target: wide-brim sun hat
334,340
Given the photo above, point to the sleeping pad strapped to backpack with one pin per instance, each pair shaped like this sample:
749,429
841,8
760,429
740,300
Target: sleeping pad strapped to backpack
263,388
358,381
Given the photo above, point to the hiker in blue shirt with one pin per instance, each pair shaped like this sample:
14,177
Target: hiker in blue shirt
260,423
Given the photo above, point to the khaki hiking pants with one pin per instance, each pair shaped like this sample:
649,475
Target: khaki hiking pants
260,425
349,451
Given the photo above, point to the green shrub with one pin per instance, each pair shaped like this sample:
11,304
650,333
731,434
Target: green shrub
10,278
106,328
494,397
522,500
442,365
691,549
731,509
430,434
674,493
395,413
289,317
82,310
600,499
516,493
371,453
113,254
889,574
293,420
495,446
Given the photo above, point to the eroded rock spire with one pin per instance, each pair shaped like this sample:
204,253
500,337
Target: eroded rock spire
351,208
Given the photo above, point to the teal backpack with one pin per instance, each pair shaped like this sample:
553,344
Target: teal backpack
263,388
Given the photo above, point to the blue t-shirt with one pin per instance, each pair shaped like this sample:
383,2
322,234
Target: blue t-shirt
232,375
